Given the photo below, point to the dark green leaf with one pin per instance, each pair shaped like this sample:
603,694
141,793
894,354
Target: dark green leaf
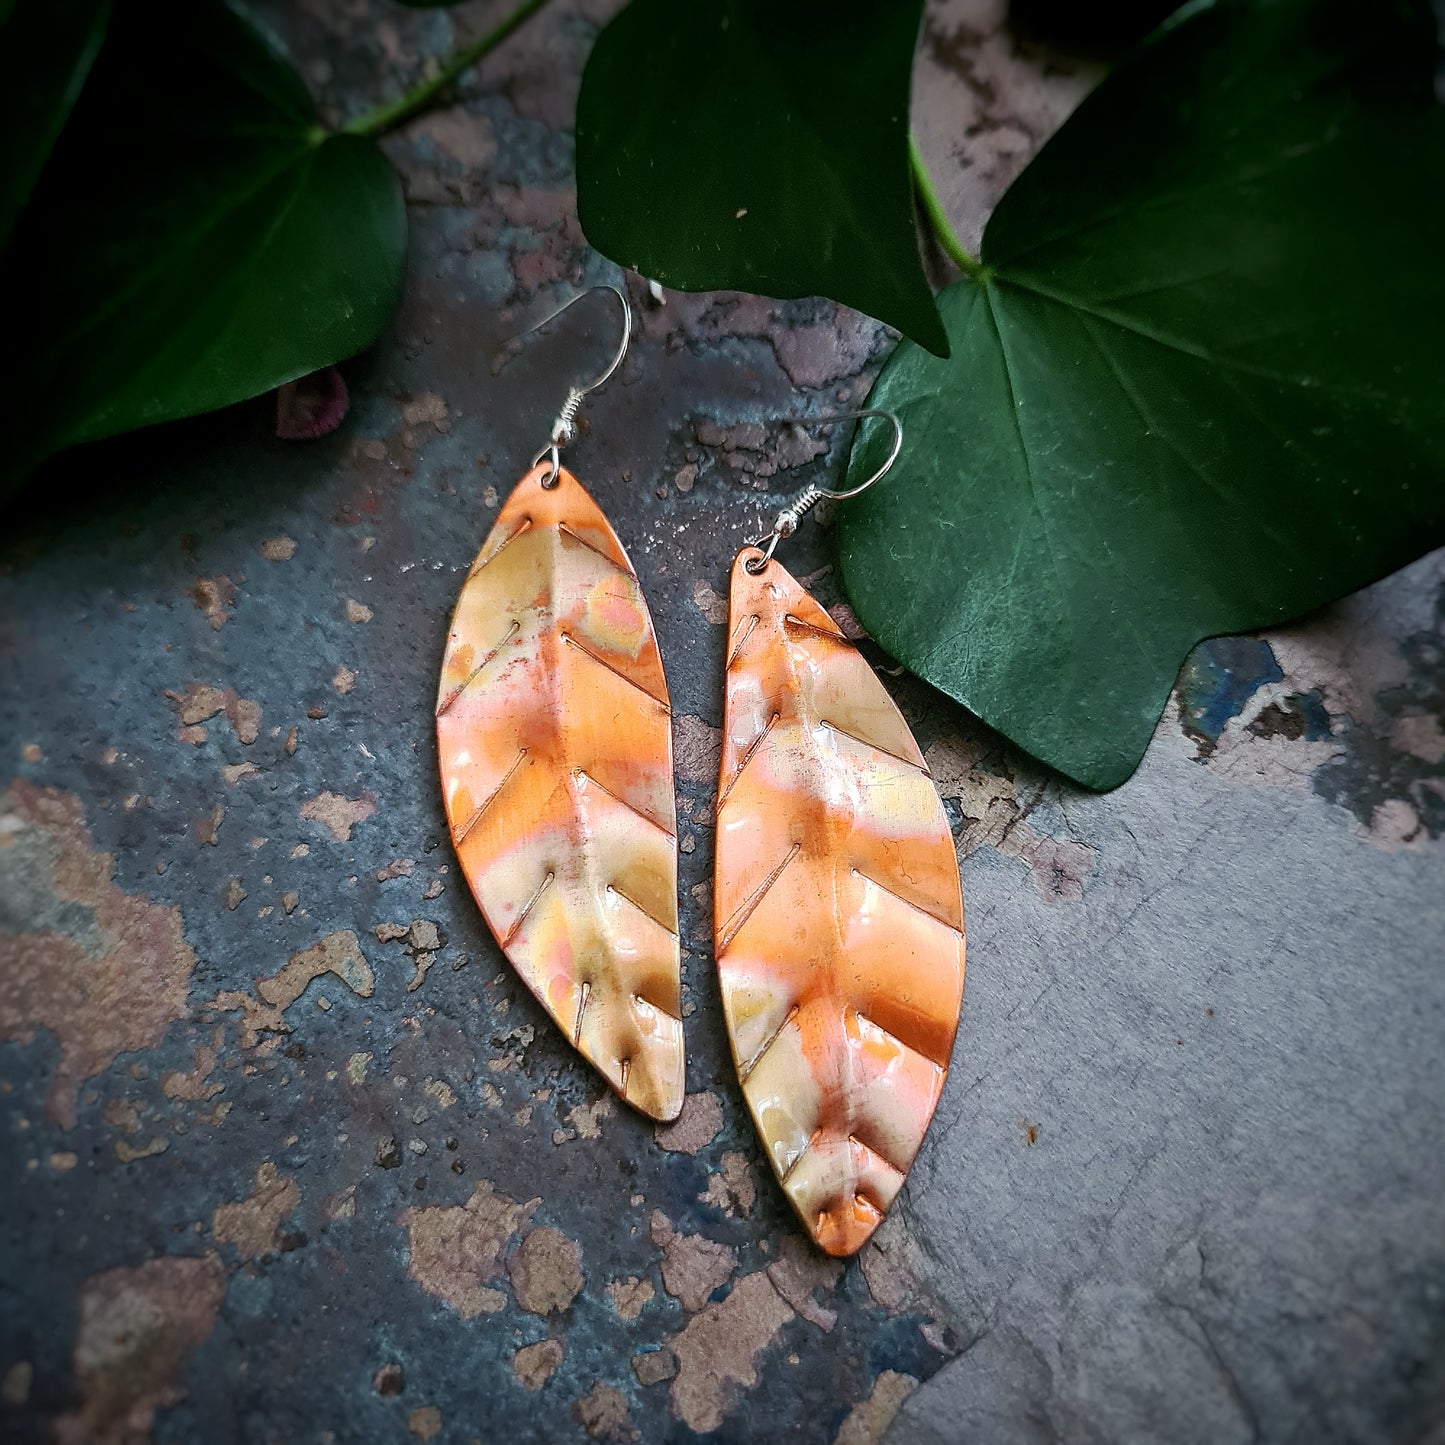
196,238
46,51
1200,388
758,146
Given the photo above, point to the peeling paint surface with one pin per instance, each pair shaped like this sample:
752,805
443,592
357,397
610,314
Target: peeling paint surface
287,1152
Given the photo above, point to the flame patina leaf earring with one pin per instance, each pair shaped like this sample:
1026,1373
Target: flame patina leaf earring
555,743
838,908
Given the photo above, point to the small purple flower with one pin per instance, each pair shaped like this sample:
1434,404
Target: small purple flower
311,406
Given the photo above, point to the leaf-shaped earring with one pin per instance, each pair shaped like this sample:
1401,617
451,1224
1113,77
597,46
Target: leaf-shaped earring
838,908
555,743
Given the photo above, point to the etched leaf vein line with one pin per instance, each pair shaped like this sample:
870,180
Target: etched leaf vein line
657,1008
476,672
626,898
617,798
812,1144
611,561
745,910
460,834
753,746
581,1009
602,662
902,1044
953,928
747,632
745,1073
522,526
829,634
874,748
531,903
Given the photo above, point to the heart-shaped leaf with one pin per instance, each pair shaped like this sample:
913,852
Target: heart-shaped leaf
196,238
46,51
756,146
1199,387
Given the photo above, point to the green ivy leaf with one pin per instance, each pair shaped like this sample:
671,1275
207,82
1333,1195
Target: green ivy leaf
195,240
1200,387
46,51
758,146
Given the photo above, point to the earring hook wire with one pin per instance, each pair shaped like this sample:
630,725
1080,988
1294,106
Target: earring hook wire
786,522
564,428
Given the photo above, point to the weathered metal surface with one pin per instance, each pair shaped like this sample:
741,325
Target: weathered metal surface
268,1087
554,737
838,919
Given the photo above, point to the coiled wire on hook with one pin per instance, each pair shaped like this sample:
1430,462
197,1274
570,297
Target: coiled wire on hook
564,428
796,508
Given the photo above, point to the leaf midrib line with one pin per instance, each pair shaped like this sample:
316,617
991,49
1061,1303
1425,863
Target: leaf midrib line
1179,344
165,256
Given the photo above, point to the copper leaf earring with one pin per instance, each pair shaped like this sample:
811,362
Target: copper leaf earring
838,909
555,744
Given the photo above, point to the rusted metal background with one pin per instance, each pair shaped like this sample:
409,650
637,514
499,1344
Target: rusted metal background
290,1154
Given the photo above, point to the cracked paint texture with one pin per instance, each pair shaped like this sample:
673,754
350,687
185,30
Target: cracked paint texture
314,1163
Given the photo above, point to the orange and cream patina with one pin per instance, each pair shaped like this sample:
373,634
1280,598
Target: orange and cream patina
839,914
555,744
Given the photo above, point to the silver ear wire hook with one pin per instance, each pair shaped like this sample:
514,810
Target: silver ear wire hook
564,428
793,512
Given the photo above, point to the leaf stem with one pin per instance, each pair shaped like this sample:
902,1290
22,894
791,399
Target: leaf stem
422,97
933,209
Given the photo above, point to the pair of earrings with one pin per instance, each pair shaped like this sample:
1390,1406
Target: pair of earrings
838,932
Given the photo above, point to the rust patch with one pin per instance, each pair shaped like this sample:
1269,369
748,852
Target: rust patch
717,1352
339,815
15,1383
105,971
731,1187
214,596
425,1422
652,1367
343,680
389,1380
629,1296
692,1267
698,746
868,1421
456,1250
244,716
426,408
996,817
893,1269
199,702
534,1365
712,605
798,1272
129,1153
466,138
546,1271
278,549
207,830
602,1412
137,1326
696,1127
253,1225
337,953
586,1119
